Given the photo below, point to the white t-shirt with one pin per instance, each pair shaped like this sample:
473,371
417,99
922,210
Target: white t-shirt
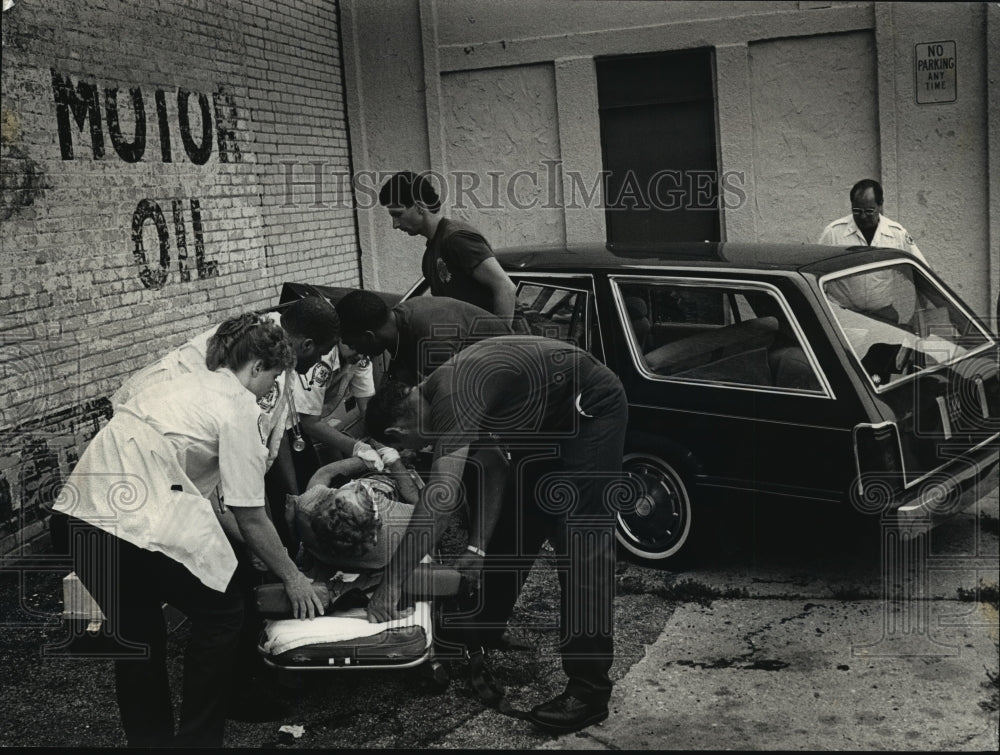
308,390
190,357
146,476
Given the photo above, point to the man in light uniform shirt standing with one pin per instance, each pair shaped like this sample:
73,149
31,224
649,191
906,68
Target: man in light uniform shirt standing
867,226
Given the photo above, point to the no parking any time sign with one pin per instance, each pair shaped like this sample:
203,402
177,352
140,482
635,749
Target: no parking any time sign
936,72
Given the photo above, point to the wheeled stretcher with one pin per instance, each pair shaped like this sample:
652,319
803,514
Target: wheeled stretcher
343,638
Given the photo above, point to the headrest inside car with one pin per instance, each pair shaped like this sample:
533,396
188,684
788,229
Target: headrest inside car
711,345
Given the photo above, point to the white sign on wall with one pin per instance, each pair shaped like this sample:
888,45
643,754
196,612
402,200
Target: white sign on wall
936,71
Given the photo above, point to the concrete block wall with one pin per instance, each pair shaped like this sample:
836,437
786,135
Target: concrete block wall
159,170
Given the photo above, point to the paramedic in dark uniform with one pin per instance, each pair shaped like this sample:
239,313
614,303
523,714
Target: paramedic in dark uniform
562,414
419,334
458,261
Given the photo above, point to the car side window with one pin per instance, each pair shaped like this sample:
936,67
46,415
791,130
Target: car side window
553,312
719,333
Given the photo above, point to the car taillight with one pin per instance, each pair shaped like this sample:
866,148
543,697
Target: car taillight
879,459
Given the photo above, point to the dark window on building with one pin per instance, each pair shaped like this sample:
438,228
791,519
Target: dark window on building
657,115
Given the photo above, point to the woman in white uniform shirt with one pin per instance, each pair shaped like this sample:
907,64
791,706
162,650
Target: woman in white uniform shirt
144,532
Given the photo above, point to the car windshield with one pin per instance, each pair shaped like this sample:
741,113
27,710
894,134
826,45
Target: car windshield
900,322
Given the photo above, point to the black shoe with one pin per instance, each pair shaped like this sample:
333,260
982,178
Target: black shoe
566,713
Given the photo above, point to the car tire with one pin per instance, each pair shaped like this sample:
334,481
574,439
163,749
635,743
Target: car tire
657,526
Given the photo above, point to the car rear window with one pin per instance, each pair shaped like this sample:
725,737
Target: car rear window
727,333
899,322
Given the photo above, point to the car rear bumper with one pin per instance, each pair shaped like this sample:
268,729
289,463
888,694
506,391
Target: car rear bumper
953,489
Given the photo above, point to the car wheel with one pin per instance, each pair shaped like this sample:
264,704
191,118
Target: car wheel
659,523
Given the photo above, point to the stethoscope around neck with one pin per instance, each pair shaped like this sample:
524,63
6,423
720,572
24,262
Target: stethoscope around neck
298,442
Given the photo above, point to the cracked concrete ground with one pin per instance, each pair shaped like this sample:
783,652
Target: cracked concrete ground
852,654
781,675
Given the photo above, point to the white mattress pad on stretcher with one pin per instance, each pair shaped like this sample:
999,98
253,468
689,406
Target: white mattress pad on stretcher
282,635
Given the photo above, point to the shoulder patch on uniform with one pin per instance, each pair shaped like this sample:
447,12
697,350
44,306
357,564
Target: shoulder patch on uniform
443,273
268,402
321,374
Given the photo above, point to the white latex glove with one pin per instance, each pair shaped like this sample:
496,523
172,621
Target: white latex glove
368,455
388,454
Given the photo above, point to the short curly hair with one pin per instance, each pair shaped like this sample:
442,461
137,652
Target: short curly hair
246,337
343,528
312,317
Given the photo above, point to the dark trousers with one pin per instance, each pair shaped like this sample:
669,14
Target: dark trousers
565,493
131,584
248,664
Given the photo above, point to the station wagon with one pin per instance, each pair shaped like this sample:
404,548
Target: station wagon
851,377
815,374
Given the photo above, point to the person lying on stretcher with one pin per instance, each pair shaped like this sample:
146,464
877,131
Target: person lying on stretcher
346,518
351,519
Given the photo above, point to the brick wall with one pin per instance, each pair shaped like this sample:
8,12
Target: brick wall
159,173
